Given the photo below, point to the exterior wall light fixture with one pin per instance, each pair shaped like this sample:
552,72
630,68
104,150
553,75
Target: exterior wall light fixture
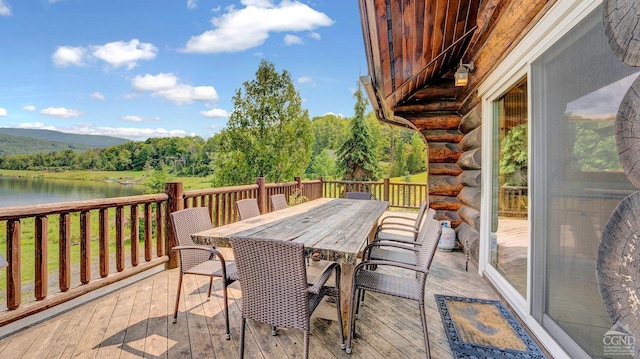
462,74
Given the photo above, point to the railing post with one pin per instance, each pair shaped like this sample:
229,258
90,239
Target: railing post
385,191
299,186
321,179
14,277
261,196
174,203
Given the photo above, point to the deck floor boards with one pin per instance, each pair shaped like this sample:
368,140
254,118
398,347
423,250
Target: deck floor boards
137,321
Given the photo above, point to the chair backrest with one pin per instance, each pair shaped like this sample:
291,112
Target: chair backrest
429,236
247,208
278,201
421,212
358,195
273,280
185,222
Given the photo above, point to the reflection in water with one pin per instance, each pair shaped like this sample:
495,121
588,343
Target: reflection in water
30,191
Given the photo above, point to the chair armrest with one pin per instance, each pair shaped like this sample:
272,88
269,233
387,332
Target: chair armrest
380,262
396,225
366,252
392,227
214,253
324,277
408,218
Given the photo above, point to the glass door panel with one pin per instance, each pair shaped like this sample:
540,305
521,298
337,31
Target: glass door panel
510,232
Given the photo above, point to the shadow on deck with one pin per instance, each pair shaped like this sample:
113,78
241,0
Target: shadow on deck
136,321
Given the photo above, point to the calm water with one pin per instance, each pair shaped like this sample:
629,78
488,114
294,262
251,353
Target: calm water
29,191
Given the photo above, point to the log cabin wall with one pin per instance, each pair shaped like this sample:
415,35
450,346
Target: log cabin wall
413,50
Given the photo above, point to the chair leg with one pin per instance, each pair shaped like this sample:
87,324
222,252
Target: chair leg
226,309
338,301
242,325
360,296
175,313
273,331
210,285
352,319
423,316
306,344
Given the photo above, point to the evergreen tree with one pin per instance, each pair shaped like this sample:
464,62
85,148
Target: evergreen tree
268,133
357,159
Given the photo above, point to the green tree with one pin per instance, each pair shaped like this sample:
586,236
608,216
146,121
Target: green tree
268,133
323,165
357,158
513,163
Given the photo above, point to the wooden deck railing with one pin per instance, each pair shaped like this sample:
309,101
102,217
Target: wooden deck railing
57,252
83,259
513,201
399,195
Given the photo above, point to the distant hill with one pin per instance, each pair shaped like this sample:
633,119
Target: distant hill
15,141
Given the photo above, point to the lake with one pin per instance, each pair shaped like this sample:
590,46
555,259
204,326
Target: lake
29,191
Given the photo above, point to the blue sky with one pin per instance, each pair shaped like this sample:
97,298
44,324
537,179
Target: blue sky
156,68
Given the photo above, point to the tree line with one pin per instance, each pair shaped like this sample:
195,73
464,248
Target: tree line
269,134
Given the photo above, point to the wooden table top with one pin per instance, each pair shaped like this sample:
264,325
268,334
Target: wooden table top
336,229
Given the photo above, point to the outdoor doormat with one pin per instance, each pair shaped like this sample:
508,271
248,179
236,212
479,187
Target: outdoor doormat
478,328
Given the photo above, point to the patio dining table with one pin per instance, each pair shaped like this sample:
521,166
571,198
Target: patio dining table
334,229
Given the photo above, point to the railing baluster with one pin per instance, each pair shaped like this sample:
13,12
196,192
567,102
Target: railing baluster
41,256
64,252
85,247
159,230
14,278
103,238
148,244
119,238
135,254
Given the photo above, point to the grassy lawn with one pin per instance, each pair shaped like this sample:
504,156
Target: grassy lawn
139,177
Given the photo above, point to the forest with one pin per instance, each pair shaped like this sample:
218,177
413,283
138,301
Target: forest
269,134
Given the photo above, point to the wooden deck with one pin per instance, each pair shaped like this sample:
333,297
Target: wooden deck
136,321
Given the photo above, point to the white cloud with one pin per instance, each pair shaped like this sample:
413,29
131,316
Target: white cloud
60,112
68,55
242,29
5,9
120,53
3,112
29,108
37,125
314,35
134,118
292,40
215,113
167,86
116,54
122,132
306,80
97,96
157,82
181,94
192,4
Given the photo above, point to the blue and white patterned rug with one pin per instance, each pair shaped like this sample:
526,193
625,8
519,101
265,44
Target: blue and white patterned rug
478,328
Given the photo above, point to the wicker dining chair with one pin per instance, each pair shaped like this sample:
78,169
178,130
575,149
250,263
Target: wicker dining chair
395,249
357,195
247,208
409,287
273,280
398,226
278,201
198,259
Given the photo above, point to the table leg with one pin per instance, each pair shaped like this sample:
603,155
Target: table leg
346,283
